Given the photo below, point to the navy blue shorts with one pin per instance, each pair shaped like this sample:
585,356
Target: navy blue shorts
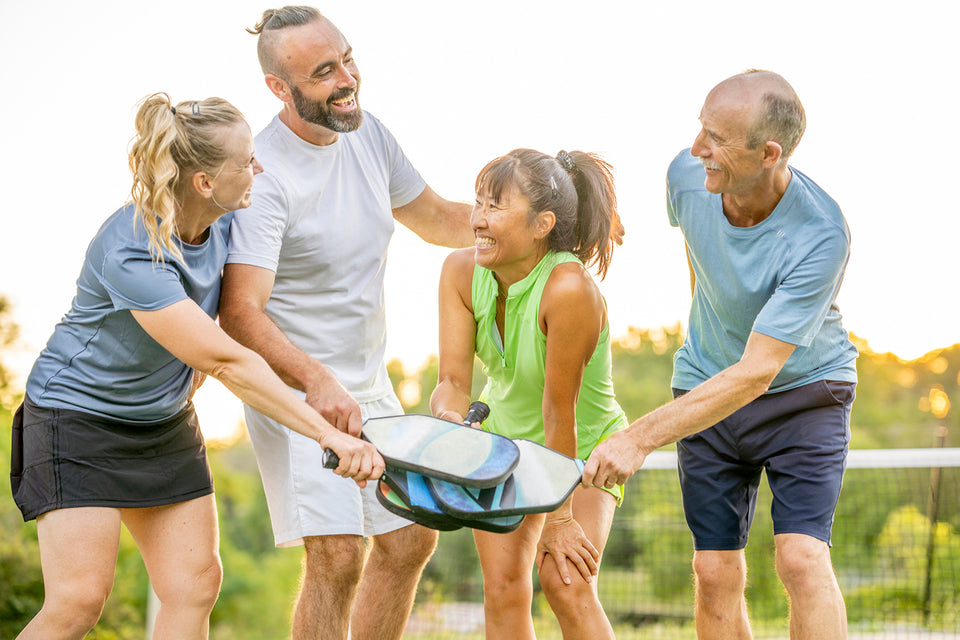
799,437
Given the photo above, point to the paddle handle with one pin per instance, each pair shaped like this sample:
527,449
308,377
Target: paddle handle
477,412
330,459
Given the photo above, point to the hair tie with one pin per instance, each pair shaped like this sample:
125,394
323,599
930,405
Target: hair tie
195,108
173,110
566,161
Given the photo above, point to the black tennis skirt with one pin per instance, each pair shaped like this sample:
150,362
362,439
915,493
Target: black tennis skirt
63,458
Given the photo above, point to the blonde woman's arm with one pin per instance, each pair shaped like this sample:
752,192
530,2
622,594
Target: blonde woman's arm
193,337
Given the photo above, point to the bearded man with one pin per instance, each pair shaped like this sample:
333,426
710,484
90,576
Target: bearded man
304,288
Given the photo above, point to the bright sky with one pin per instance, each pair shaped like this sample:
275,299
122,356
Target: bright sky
460,83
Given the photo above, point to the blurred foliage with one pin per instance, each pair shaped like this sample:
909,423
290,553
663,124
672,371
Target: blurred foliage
9,331
646,578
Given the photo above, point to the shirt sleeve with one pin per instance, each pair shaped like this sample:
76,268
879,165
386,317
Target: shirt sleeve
406,183
671,206
800,303
133,280
256,233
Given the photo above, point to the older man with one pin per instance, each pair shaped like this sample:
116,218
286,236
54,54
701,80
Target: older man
766,376
304,287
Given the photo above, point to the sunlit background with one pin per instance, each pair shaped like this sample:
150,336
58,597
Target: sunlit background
459,83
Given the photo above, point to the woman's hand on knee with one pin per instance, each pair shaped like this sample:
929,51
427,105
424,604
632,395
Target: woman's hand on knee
564,541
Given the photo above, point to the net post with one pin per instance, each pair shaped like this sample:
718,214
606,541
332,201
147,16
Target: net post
933,508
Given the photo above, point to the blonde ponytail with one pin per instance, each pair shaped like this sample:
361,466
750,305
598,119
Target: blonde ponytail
170,145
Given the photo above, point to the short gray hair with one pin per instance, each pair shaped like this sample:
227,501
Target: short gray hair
781,118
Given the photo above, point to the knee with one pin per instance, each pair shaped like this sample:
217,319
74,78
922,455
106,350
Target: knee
564,597
337,558
503,590
407,549
78,610
719,574
207,584
197,586
803,562
424,543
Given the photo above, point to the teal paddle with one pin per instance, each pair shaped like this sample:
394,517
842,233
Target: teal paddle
393,503
411,491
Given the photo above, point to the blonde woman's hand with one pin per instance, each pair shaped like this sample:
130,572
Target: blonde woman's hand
359,460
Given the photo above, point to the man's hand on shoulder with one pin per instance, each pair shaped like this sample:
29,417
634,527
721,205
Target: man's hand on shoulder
437,220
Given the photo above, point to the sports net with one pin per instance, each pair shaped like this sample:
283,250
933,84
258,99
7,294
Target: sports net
896,551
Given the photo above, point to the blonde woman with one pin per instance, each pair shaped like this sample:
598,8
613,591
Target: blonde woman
107,433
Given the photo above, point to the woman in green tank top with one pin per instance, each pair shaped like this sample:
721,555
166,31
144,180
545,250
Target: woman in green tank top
522,301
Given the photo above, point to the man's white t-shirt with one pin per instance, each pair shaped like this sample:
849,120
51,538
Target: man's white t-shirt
322,219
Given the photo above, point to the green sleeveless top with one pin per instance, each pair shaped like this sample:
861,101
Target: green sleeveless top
515,367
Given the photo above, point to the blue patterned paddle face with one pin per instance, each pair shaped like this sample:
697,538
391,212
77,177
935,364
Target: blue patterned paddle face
541,482
442,449
392,502
411,491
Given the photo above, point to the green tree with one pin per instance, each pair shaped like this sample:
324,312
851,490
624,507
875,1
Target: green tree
21,585
893,407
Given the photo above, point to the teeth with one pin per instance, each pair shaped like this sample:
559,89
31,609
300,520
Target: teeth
344,100
485,242
710,165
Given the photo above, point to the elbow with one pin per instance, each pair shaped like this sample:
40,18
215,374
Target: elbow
560,426
237,318
228,318
225,371
233,369
759,379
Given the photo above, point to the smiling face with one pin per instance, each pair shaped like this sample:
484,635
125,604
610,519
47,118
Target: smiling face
509,241
233,184
726,118
322,76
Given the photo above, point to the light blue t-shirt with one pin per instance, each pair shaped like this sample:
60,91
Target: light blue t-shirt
779,278
99,360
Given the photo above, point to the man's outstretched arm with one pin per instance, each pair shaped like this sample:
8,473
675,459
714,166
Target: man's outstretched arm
622,454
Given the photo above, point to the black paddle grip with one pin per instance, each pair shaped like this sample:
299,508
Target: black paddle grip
477,412
330,459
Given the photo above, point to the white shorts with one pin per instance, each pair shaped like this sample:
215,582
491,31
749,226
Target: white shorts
303,498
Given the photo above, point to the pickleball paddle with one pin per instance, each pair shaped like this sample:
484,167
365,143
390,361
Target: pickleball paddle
392,502
410,489
541,482
440,449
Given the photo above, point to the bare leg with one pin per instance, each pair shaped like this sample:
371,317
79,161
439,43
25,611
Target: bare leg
389,582
78,556
507,561
721,607
817,611
576,605
180,547
331,571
